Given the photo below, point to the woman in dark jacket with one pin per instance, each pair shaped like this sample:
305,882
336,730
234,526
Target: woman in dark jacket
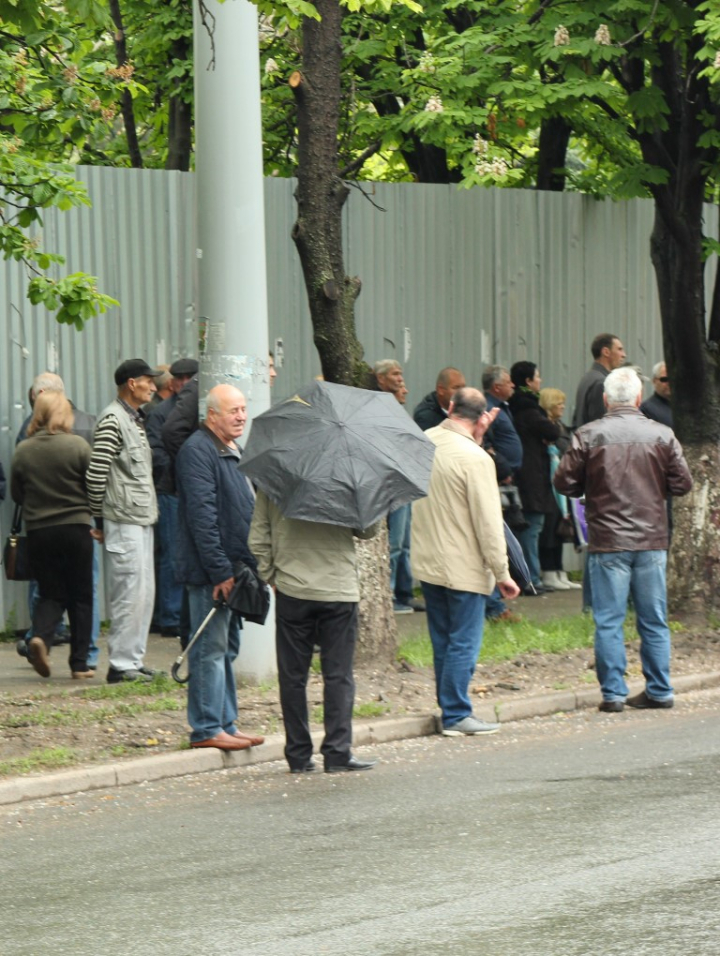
48,480
536,431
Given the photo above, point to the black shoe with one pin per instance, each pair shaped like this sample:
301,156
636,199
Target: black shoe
352,764
22,648
122,677
305,768
643,702
535,591
169,631
612,706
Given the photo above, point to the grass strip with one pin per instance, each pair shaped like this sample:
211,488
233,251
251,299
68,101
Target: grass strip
48,758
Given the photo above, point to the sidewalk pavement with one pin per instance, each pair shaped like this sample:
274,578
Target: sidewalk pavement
16,678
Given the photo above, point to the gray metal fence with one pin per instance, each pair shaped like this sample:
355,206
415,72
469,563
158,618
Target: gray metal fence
449,277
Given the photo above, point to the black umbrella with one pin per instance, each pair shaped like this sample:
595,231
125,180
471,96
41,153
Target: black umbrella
338,455
519,570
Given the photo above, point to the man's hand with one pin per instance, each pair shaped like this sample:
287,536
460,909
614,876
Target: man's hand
97,535
222,591
508,589
484,422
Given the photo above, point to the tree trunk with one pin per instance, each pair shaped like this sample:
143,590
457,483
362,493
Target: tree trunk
554,138
321,195
180,116
694,565
377,638
317,233
126,102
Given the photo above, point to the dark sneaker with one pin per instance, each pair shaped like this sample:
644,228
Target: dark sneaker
612,706
121,677
643,702
149,672
22,648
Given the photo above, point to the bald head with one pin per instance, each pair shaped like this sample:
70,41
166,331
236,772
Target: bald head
226,412
449,380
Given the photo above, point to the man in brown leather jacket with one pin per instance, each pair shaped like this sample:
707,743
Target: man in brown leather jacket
626,465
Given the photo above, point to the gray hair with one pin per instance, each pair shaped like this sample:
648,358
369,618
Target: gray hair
491,375
385,365
468,404
164,378
47,382
657,367
622,386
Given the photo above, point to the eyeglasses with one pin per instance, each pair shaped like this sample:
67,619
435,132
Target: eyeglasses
663,378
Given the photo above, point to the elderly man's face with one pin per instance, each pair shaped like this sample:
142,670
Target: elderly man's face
661,383
401,393
503,388
141,390
391,381
228,422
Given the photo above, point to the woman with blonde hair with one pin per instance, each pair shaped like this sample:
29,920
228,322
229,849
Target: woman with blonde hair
48,480
558,526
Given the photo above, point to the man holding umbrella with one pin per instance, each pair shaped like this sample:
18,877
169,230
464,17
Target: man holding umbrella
329,461
459,553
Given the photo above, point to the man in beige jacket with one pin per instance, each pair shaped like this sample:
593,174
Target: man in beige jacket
313,569
458,554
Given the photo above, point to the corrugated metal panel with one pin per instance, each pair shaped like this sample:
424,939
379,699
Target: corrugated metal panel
475,276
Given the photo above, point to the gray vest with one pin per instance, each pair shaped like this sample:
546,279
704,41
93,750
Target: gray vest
130,493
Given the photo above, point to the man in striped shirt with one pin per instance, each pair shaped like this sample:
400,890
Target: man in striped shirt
122,499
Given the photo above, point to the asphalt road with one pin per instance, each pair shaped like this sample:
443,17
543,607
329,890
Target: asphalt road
576,835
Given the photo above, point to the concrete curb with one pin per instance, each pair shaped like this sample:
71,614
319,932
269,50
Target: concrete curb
184,762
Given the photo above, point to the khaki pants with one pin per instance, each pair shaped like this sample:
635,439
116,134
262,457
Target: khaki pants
130,592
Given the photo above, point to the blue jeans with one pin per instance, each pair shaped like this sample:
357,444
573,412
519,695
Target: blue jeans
455,621
399,539
614,576
169,596
494,604
212,694
529,538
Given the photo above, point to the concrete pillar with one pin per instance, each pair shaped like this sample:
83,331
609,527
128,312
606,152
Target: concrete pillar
231,269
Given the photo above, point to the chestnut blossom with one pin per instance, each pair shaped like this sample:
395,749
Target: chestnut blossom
271,66
426,64
562,36
434,105
602,35
716,64
480,146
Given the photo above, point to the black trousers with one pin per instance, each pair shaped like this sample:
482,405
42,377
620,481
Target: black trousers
332,626
62,560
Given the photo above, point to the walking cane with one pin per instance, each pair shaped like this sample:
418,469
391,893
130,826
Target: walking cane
175,670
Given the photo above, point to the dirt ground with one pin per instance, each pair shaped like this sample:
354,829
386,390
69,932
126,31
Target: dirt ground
95,730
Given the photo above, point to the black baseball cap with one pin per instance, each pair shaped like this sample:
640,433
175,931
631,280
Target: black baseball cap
184,366
134,368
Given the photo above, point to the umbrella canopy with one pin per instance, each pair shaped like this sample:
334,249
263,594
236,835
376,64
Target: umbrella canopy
338,455
519,570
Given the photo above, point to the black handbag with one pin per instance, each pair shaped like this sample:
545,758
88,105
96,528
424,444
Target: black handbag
250,597
15,553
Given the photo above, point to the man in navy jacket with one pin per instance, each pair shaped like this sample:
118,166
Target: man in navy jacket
216,503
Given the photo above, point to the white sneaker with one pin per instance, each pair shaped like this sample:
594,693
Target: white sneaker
469,727
552,580
570,584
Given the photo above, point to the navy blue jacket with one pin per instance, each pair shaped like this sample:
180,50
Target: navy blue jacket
216,505
503,434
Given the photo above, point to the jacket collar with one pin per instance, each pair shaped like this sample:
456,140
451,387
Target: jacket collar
453,426
222,449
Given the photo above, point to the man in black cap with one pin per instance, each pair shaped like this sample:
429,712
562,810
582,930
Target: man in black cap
169,594
122,499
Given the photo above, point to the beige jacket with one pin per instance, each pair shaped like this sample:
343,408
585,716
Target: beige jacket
458,540
305,559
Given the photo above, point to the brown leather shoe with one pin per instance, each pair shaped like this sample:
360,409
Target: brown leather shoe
82,675
254,741
223,741
38,656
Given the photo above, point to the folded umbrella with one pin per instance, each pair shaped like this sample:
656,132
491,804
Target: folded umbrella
338,455
519,570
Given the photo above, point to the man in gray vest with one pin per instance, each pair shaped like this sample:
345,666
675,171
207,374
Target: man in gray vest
122,499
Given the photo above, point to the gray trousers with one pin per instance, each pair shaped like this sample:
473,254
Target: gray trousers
130,591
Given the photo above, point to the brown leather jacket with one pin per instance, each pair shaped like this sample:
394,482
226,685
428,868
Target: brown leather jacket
626,466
